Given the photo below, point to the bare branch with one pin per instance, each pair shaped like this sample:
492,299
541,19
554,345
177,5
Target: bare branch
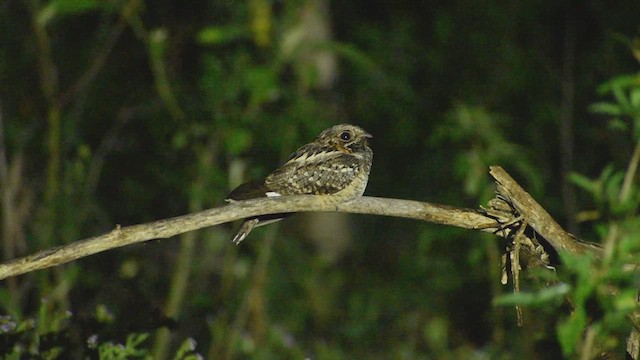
121,236
536,216
498,219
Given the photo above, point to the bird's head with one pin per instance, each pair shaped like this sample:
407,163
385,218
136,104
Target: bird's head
346,138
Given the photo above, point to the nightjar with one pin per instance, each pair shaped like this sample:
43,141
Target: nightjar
336,165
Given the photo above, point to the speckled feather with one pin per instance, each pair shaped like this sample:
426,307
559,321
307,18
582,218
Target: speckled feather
323,174
330,166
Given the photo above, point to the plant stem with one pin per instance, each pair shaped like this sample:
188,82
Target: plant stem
630,174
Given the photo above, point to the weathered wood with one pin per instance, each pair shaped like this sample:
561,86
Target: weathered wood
121,236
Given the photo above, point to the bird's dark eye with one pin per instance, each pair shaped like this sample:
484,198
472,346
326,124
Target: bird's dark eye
345,136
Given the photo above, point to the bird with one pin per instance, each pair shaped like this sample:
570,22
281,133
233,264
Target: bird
335,165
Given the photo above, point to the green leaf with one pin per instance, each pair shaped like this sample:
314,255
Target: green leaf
544,296
218,35
611,187
186,349
103,314
618,124
621,98
59,8
262,84
630,240
110,350
356,56
238,140
133,341
606,108
583,182
621,82
579,264
626,301
634,98
570,331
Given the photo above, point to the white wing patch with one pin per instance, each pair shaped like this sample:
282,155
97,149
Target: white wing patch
306,158
272,194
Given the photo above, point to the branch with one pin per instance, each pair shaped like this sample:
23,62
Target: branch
121,236
497,219
536,216
559,239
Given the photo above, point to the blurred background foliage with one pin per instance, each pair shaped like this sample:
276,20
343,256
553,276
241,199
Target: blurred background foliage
124,111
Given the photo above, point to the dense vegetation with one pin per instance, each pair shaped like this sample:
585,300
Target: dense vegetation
122,112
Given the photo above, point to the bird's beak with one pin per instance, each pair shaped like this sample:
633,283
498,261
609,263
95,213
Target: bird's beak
368,136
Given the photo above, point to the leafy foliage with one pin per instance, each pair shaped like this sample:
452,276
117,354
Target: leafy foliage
123,111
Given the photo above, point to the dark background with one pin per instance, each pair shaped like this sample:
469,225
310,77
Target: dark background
124,112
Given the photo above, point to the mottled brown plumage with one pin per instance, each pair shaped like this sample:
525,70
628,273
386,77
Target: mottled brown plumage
336,165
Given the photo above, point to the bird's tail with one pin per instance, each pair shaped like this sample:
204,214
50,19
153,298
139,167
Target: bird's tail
251,223
244,230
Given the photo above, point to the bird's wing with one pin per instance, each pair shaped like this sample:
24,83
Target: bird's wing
320,172
249,190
